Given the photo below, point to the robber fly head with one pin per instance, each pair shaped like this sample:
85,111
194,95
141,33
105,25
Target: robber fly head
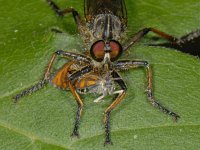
108,48
106,51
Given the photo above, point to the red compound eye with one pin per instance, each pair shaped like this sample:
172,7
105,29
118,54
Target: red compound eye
116,50
97,51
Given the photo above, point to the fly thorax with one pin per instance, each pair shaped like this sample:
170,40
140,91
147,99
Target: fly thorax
107,26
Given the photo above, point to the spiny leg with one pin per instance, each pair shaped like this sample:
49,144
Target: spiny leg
118,99
75,56
79,111
152,99
73,76
61,13
145,31
79,73
47,73
38,85
127,64
80,23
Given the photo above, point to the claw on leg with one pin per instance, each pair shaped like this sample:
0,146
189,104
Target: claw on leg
75,134
108,143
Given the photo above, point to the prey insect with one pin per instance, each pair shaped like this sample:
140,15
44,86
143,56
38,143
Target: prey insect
97,70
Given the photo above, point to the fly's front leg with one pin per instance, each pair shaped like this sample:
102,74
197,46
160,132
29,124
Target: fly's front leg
145,31
79,111
134,64
121,93
107,112
40,84
47,73
73,76
74,56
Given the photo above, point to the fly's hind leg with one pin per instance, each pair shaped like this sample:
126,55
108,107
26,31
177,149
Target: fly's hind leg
145,31
61,13
80,23
134,64
121,93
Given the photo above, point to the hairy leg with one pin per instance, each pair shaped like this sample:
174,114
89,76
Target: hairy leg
46,77
127,64
145,31
121,94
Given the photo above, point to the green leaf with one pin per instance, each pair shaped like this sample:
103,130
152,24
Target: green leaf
45,119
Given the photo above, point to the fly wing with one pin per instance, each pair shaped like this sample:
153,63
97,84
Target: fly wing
115,7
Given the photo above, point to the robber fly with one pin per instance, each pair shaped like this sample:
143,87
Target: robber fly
97,70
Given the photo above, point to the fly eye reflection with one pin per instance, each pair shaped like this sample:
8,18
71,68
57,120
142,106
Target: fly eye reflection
97,50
